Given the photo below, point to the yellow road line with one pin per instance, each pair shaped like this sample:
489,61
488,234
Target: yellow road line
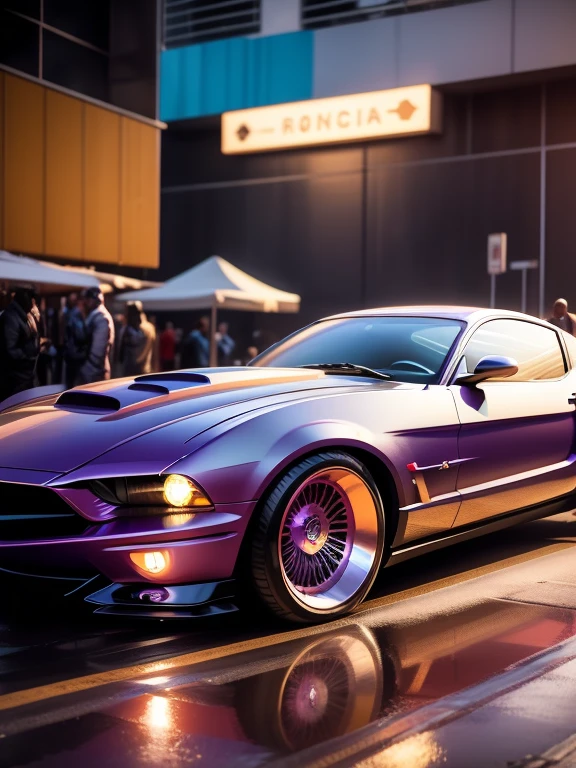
78,684
459,578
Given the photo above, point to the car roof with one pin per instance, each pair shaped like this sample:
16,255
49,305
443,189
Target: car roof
466,314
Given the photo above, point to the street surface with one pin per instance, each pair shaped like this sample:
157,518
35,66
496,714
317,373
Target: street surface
464,657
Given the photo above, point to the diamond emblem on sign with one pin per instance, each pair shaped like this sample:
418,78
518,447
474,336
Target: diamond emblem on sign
404,110
243,132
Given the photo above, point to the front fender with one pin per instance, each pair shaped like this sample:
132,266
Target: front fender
240,464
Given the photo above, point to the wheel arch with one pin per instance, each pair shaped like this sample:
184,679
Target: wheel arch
378,468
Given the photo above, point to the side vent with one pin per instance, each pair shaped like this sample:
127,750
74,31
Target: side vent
89,401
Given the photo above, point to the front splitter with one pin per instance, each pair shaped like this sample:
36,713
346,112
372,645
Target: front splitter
181,601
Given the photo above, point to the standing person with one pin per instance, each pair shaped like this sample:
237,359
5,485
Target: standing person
561,318
137,343
75,341
19,344
197,346
100,333
168,348
226,344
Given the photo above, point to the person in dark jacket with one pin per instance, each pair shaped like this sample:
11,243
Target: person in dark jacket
196,352
19,344
100,333
75,340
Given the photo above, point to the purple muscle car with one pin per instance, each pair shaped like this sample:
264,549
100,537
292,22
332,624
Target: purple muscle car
360,441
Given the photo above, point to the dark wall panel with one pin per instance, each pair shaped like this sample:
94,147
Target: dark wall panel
194,157
75,67
19,41
561,112
87,20
133,58
561,227
300,236
428,227
506,119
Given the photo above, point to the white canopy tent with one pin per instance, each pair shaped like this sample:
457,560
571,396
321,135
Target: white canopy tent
53,278
45,277
214,284
110,283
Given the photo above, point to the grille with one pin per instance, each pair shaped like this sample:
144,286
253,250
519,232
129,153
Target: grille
325,13
195,21
30,512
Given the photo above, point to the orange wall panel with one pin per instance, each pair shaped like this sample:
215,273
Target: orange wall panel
63,234
24,165
101,185
140,194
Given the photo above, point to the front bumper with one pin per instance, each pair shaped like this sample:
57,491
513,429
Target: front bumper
198,547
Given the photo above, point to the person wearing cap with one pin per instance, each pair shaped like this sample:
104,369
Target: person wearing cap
563,319
19,343
100,335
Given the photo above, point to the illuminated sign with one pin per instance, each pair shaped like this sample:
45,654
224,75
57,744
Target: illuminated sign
396,112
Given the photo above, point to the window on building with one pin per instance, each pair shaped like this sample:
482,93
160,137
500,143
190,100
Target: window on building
195,21
325,13
536,349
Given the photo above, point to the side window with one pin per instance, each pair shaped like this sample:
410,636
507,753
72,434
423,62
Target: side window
570,342
535,348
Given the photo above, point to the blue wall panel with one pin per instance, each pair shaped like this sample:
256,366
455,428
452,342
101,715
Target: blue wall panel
211,78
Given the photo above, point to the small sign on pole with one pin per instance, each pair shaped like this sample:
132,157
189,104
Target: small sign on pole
524,266
497,253
497,245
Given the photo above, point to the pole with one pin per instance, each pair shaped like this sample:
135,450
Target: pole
492,291
543,171
524,288
213,353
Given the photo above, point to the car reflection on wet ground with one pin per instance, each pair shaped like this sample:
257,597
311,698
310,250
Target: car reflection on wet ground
281,698
311,692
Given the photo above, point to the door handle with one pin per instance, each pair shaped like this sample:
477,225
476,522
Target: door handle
572,400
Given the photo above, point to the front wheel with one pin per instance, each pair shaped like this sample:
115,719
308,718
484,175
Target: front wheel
319,539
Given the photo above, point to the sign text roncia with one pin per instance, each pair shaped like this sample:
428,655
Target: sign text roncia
397,112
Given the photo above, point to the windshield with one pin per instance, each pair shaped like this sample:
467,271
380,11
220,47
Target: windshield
411,349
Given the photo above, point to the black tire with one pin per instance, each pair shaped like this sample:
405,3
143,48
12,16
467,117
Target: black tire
272,585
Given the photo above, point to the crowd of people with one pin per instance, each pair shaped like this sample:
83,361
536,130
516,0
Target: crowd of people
81,342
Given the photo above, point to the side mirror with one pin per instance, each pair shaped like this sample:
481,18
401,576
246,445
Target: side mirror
488,368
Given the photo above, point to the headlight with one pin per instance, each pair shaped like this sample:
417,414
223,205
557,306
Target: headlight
173,491
179,491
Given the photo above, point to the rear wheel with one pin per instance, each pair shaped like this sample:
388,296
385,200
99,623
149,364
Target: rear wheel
319,540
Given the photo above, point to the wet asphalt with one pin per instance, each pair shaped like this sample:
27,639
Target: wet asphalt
83,690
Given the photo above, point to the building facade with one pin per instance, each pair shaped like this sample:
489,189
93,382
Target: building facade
79,134
382,221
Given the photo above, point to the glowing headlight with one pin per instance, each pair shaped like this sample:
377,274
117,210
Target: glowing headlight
179,491
150,494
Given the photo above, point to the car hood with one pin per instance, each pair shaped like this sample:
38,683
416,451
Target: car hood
63,432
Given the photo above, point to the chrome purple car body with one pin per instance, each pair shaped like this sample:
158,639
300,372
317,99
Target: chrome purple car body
452,457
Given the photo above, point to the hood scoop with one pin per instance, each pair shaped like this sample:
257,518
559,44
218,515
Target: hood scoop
169,382
143,388
92,402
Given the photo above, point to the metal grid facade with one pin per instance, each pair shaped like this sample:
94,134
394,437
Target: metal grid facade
196,21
